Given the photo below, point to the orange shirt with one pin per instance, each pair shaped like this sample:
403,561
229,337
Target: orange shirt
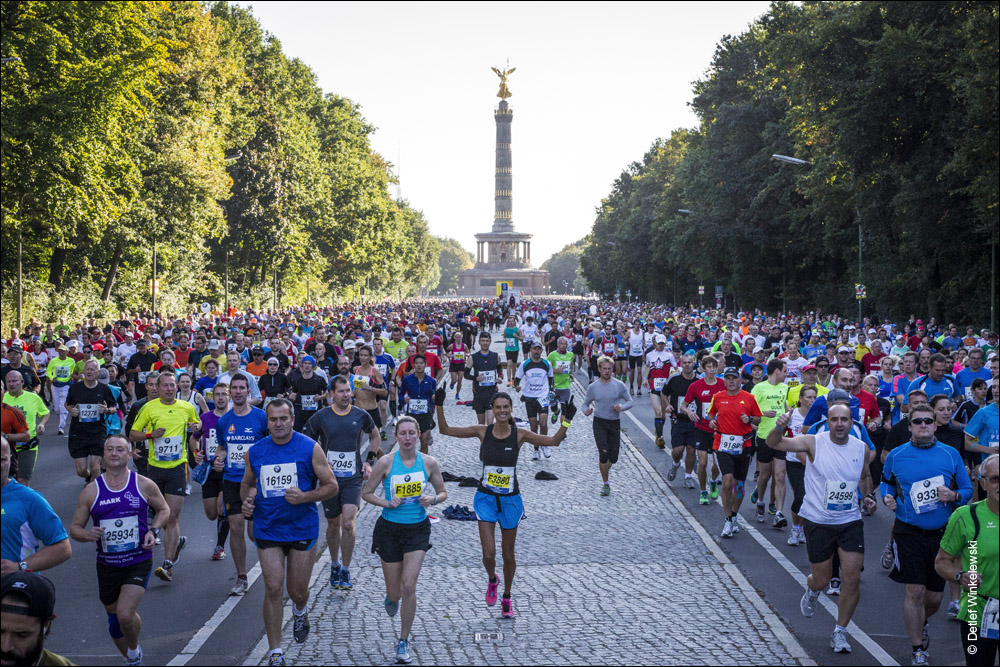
257,369
728,410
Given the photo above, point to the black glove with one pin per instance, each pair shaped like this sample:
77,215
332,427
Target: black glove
569,410
439,396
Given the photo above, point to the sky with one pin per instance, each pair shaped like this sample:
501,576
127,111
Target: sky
596,84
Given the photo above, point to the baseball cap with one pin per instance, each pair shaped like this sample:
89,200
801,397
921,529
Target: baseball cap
843,348
536,343
213,344
731,370
659,338
809,367
758,349
36,590
141,341
349,344
837,396
62,347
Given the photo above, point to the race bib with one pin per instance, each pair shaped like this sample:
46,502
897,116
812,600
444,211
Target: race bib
609,348
343,464
861,415
278,478
489,378
659,383
704,410
268,399
511,342
458,356
968,393
417,406
309,403
207,393
840,496
563,366
499,480
88,412
408,487
236,455
988,627
142,376
120,535
211,444
924,494
382,369
543,401
730,444
231,347
578,338
63,373
168,448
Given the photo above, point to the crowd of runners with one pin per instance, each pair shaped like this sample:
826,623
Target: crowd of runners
272,415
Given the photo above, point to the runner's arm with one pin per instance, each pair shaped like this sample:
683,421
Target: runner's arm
327,487
454,431
81,516
803,443
434,472
378,475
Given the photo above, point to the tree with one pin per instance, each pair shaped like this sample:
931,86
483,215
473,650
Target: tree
564,268
453,259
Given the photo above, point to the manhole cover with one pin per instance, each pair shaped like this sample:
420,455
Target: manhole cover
489,636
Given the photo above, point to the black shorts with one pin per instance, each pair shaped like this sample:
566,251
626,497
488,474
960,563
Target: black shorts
231,501
170,481
425,422
766,454
110,579
376,416
703,440
348,494
26,459
737,465
213,485
80,447
296,545
483,401
796,473
822,540
578,348
683,434
635,362
535,408
913,552
392,540
608,434
512,355
456,367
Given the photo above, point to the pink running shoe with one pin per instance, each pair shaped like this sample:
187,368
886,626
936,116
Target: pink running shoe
491,592
506,608
219,553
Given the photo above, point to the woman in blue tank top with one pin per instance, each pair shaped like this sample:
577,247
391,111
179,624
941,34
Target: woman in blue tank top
402,534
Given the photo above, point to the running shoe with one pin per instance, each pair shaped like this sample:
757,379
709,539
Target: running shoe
240,588
61,432
736,525
727,529
920,657
771,509
491,592
807,605
887,556
164,572
838,642
689,482
754,496
187,490
390,607
134,662
383,435
660,442
705,499
606,490
506,608
276,660
334,576
452,385
953,608
300,627
760,513
834,587
458,395
638,392
535,455
345,580
713,487
779,521
925,638
672,473
546,452
631,391
555,416
219,553
403,652
793,537
181,543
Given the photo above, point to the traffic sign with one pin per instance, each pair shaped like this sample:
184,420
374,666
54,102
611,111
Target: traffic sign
701,289
859,291
206,308
718,291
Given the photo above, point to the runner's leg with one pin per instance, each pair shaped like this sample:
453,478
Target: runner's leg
412,562
272,569
507,540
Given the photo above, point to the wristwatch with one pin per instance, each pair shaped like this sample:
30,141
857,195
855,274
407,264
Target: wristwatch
958,575
23,566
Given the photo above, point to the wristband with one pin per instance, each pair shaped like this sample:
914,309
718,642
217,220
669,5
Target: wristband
565,424
371,457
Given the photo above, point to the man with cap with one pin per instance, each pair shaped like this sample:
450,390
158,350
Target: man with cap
814,347
809,375
139,365
759,357
27,608
60,374
33,408
659,361
845,358
15,354
214,352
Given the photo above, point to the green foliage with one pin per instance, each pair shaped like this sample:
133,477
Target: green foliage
895,106
564,268
453,258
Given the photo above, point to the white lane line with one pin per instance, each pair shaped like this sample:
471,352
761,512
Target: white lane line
220,615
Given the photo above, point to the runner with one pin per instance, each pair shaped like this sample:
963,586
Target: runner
417,391
498,496
118,502
512,337
306,391
731,415
837,466
285,476
236,432
923,482
457,353
386,364
795,468
168,422
60,375
561,360
635,340
203,443
369,387
659,362
36,416
486,372
87,402
403,532
610,397
338,432
538,382
770,396
696,403
683,434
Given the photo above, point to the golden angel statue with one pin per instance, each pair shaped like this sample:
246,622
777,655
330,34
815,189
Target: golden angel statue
504,92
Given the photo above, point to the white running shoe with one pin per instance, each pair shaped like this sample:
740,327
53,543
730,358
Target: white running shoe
834,587
535,455
727,529
240,589
838,642
546,452
807,605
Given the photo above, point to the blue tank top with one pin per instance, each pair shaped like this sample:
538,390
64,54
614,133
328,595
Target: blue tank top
277,468
408,484
123,515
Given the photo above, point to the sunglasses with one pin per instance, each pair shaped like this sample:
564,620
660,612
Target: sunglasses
922,420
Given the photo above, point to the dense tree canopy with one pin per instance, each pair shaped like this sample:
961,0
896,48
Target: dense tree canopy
895,106
453,259
564,268
183,127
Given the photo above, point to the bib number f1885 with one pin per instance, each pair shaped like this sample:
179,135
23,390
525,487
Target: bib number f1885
408,487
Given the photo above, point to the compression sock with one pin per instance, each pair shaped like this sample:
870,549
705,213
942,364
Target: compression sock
392,407
221,530
658,422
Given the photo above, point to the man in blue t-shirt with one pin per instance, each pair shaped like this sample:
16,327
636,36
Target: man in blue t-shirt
975,370
937,381
237,431
982,433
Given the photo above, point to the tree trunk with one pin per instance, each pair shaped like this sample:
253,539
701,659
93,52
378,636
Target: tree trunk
109,281
56,267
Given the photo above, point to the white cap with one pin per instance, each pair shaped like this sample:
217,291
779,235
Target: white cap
659,338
